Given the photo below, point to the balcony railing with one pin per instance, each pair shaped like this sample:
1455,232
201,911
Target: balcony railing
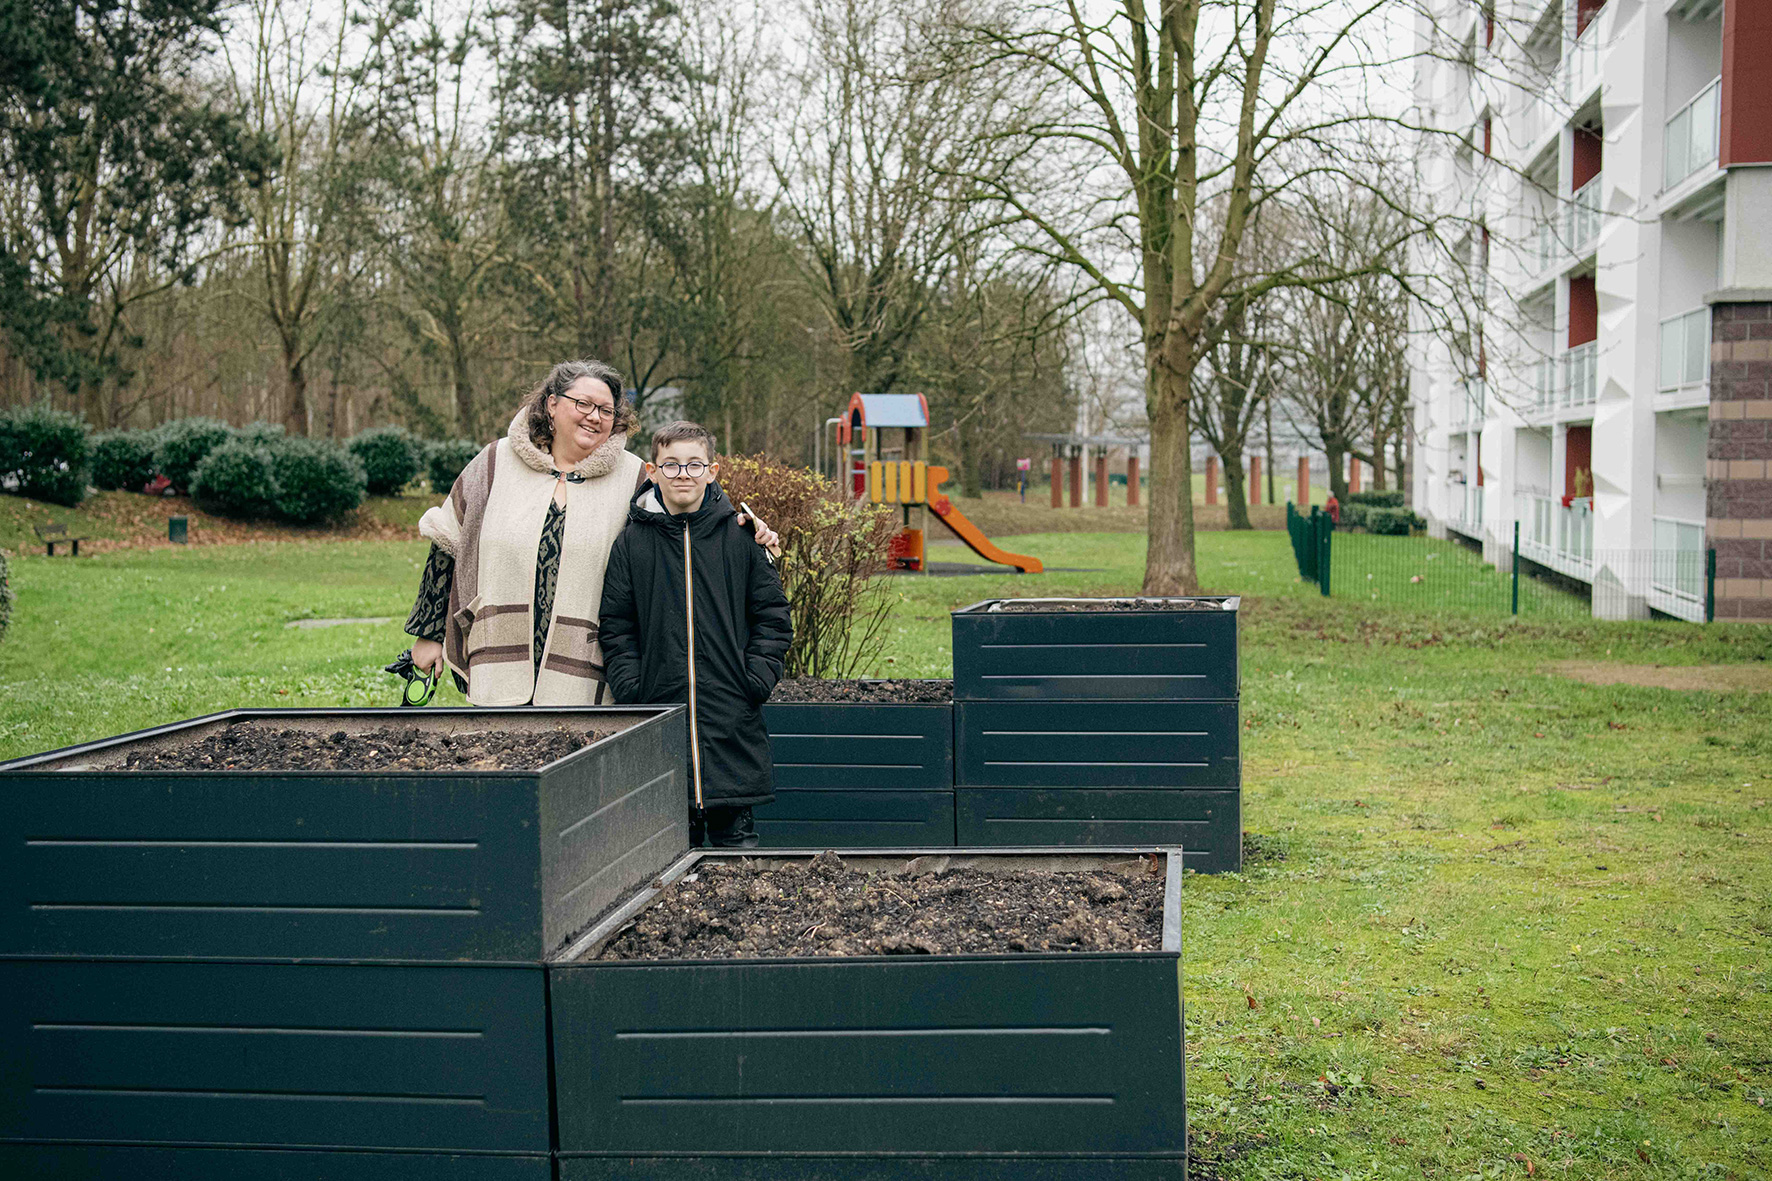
1677,574
1544,386
1580,376
1685,353
1547,244
1464,507
1558,536
1581,64
1689,141
1581,217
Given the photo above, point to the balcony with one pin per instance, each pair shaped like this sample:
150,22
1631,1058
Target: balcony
1544,388
1581,217
1580,377
1557,536
1689,141
1677,569
1685,360
1464,507
1581,65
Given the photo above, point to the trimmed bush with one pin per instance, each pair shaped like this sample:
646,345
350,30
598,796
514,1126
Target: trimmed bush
316,480
5,595
44,454
123,460
390,456
236,480
444,461
261,433
1392,522
1353,516
184,442
1377,498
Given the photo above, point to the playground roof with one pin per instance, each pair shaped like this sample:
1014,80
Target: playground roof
888,410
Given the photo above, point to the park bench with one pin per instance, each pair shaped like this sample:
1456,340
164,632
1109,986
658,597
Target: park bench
56,532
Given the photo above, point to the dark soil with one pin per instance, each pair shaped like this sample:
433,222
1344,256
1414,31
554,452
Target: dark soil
1063,606
265,748
734,910
900,692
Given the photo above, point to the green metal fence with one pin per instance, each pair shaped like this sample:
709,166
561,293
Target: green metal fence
1432,574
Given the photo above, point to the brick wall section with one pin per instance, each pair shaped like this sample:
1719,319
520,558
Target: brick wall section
1739,470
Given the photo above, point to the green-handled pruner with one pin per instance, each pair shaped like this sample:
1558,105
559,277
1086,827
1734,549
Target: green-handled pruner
407,671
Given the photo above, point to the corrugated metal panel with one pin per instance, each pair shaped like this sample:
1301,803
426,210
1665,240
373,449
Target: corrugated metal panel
861,745
278,1055
857,819
1094,656
1020,1055
1097,744
1206,825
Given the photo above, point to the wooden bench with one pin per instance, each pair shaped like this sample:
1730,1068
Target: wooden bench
54,533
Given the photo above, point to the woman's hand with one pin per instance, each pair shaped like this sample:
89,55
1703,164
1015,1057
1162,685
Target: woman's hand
427,657
766,537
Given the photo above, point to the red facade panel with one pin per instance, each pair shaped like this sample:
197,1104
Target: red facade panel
1586,160
1584,311
1578,450
1747,83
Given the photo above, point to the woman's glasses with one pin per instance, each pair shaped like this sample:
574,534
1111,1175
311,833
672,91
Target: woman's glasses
590,410
693,469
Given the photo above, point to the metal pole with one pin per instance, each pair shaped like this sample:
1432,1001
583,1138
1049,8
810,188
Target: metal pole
1710,585
1325,534
1516,567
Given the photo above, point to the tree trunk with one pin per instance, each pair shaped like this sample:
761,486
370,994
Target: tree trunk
1236,488
1336,450
295,414
1169,567
1378,440
465,420
970,485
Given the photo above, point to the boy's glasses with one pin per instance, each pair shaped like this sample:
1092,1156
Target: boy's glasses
693,469
590,410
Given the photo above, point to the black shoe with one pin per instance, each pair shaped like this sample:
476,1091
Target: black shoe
731,828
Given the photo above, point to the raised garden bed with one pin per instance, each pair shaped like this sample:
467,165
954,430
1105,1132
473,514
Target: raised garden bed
860,771
977,1064
1096,650
225,972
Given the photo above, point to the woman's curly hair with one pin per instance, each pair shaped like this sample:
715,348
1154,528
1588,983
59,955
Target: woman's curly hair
558,381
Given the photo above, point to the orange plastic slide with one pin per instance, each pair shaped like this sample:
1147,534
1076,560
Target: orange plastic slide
969,533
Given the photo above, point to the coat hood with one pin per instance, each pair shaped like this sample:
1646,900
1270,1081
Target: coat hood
600,462
647,508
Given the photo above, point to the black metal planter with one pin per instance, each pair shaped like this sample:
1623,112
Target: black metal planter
1051,1066
317,974
1090,726
858,774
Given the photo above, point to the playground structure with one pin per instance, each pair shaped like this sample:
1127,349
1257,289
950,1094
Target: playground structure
898,475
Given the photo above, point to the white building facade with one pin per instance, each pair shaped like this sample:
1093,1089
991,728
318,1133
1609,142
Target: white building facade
1620,234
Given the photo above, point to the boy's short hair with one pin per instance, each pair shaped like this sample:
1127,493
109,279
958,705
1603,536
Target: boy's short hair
683,432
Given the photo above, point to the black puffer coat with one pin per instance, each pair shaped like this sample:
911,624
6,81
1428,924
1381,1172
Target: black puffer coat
742,631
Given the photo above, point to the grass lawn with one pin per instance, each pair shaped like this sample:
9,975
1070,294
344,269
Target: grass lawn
1497,922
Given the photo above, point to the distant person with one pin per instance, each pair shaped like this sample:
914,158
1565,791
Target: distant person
1332,506
693,612
508,599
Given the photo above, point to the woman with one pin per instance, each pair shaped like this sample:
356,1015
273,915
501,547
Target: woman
509,597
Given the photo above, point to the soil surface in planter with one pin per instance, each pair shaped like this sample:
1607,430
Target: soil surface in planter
1027,607
824,908
266,748
817,689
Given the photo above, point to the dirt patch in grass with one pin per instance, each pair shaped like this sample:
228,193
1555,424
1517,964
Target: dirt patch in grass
264,748
900,692
1705,678
825,908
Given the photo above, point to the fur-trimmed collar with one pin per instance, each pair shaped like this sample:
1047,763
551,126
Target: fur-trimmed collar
598,463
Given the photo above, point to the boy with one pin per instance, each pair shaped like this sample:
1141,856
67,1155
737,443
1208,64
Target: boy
693,612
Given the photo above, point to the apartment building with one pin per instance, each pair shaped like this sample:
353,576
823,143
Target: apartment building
1614,161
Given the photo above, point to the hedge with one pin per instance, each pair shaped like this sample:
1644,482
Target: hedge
44,454
123,460
390,457
184,443
316,480
237,480
1376,498
444,461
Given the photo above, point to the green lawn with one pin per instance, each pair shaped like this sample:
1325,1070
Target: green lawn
1497,922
